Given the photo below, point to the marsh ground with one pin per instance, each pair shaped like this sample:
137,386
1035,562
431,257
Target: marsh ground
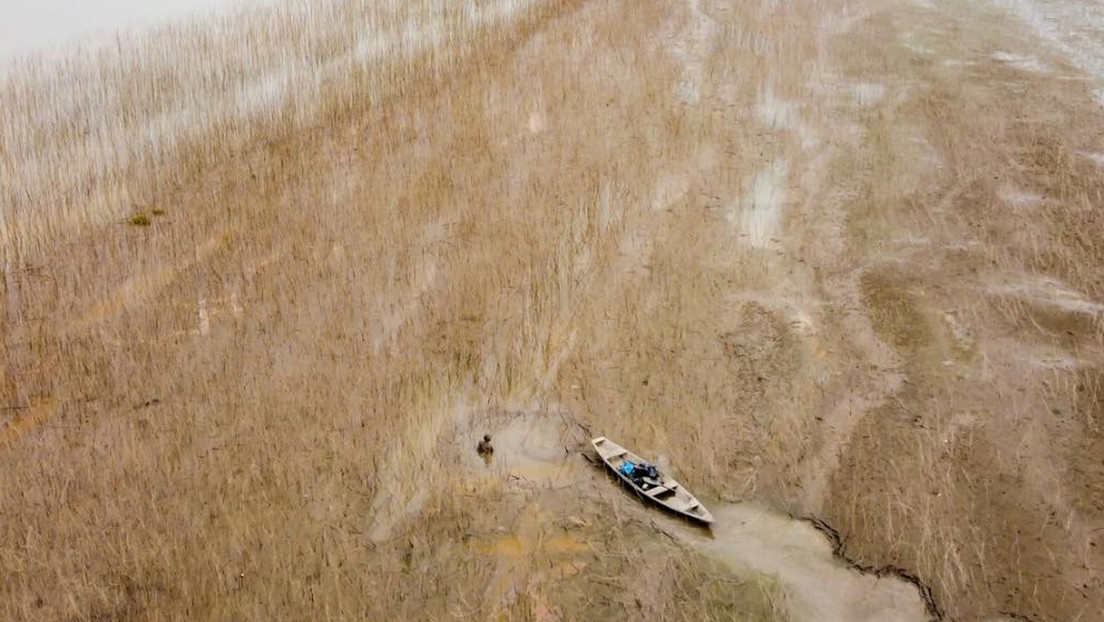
829,259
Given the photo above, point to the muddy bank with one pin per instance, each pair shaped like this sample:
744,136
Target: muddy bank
536,450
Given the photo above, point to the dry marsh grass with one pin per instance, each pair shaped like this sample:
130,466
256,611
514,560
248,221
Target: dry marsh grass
118,125
998,313
306,247
384,226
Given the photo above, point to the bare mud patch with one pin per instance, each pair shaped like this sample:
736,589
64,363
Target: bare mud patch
1047,292
961,335
1054,360
670,189
819,586
532,449
1097,158
761,219
774,113
867,93
1017,197
1071,28
1021,62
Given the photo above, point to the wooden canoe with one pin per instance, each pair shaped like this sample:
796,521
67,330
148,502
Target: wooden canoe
665,491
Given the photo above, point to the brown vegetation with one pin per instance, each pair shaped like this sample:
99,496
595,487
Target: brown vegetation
814,267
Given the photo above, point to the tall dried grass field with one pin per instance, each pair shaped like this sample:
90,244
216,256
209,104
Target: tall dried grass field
269,277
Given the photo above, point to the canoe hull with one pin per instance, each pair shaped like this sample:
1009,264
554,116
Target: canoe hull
665,492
